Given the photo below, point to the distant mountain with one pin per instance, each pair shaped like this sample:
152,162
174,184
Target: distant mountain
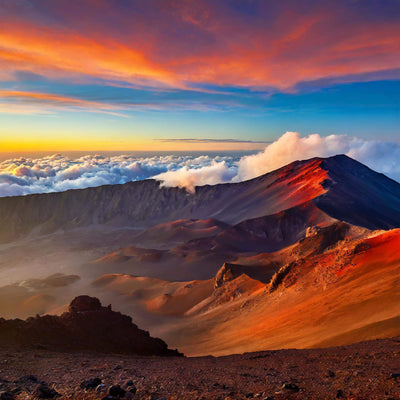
339,187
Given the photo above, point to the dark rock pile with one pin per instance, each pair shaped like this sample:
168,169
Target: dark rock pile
86,326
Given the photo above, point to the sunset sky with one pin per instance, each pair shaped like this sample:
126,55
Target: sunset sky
180,75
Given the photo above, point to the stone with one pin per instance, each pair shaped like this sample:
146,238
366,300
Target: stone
312,231
91,383
116,391
101,388
84,303
290,386
339,394
45,392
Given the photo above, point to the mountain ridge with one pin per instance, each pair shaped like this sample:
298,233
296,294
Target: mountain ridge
143,204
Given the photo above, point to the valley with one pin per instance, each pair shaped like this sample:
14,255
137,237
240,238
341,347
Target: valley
305,256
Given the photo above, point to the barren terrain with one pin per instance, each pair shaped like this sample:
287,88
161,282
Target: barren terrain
364,371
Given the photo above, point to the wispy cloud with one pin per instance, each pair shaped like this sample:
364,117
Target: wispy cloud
31,103
200,140
21,102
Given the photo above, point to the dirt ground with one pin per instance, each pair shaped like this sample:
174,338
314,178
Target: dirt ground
368,370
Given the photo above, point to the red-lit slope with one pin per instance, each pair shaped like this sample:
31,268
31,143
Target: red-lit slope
346,294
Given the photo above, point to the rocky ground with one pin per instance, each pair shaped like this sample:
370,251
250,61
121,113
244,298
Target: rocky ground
368,370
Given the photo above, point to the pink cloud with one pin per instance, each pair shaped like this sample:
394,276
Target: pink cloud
179,44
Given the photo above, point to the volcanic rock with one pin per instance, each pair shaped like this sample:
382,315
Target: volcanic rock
339,394
227,272
312,230
45,392
290,386
116,391
91,383
84,303
86,326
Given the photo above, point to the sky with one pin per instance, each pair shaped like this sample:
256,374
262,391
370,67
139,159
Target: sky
125,75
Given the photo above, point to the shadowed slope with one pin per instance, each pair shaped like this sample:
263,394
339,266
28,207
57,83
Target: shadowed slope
359,195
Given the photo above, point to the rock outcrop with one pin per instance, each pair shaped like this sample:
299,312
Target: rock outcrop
86,326
228,272
84,303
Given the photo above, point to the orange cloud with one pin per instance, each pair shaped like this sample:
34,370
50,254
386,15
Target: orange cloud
40,103
56,55
186,44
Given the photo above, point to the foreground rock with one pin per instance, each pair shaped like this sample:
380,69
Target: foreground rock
86,326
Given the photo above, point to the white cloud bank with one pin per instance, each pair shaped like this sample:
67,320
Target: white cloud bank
380,156
22,176
58,173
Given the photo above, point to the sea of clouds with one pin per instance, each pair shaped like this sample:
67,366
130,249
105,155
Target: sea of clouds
22,176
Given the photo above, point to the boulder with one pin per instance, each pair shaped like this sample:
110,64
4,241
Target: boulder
84,303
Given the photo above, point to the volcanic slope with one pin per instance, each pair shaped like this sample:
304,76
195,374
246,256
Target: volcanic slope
202,257
346,294
339,186
274,262
335,287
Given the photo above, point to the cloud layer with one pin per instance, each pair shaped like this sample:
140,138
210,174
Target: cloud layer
24,176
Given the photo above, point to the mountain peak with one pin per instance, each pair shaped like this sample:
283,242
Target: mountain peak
359,195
